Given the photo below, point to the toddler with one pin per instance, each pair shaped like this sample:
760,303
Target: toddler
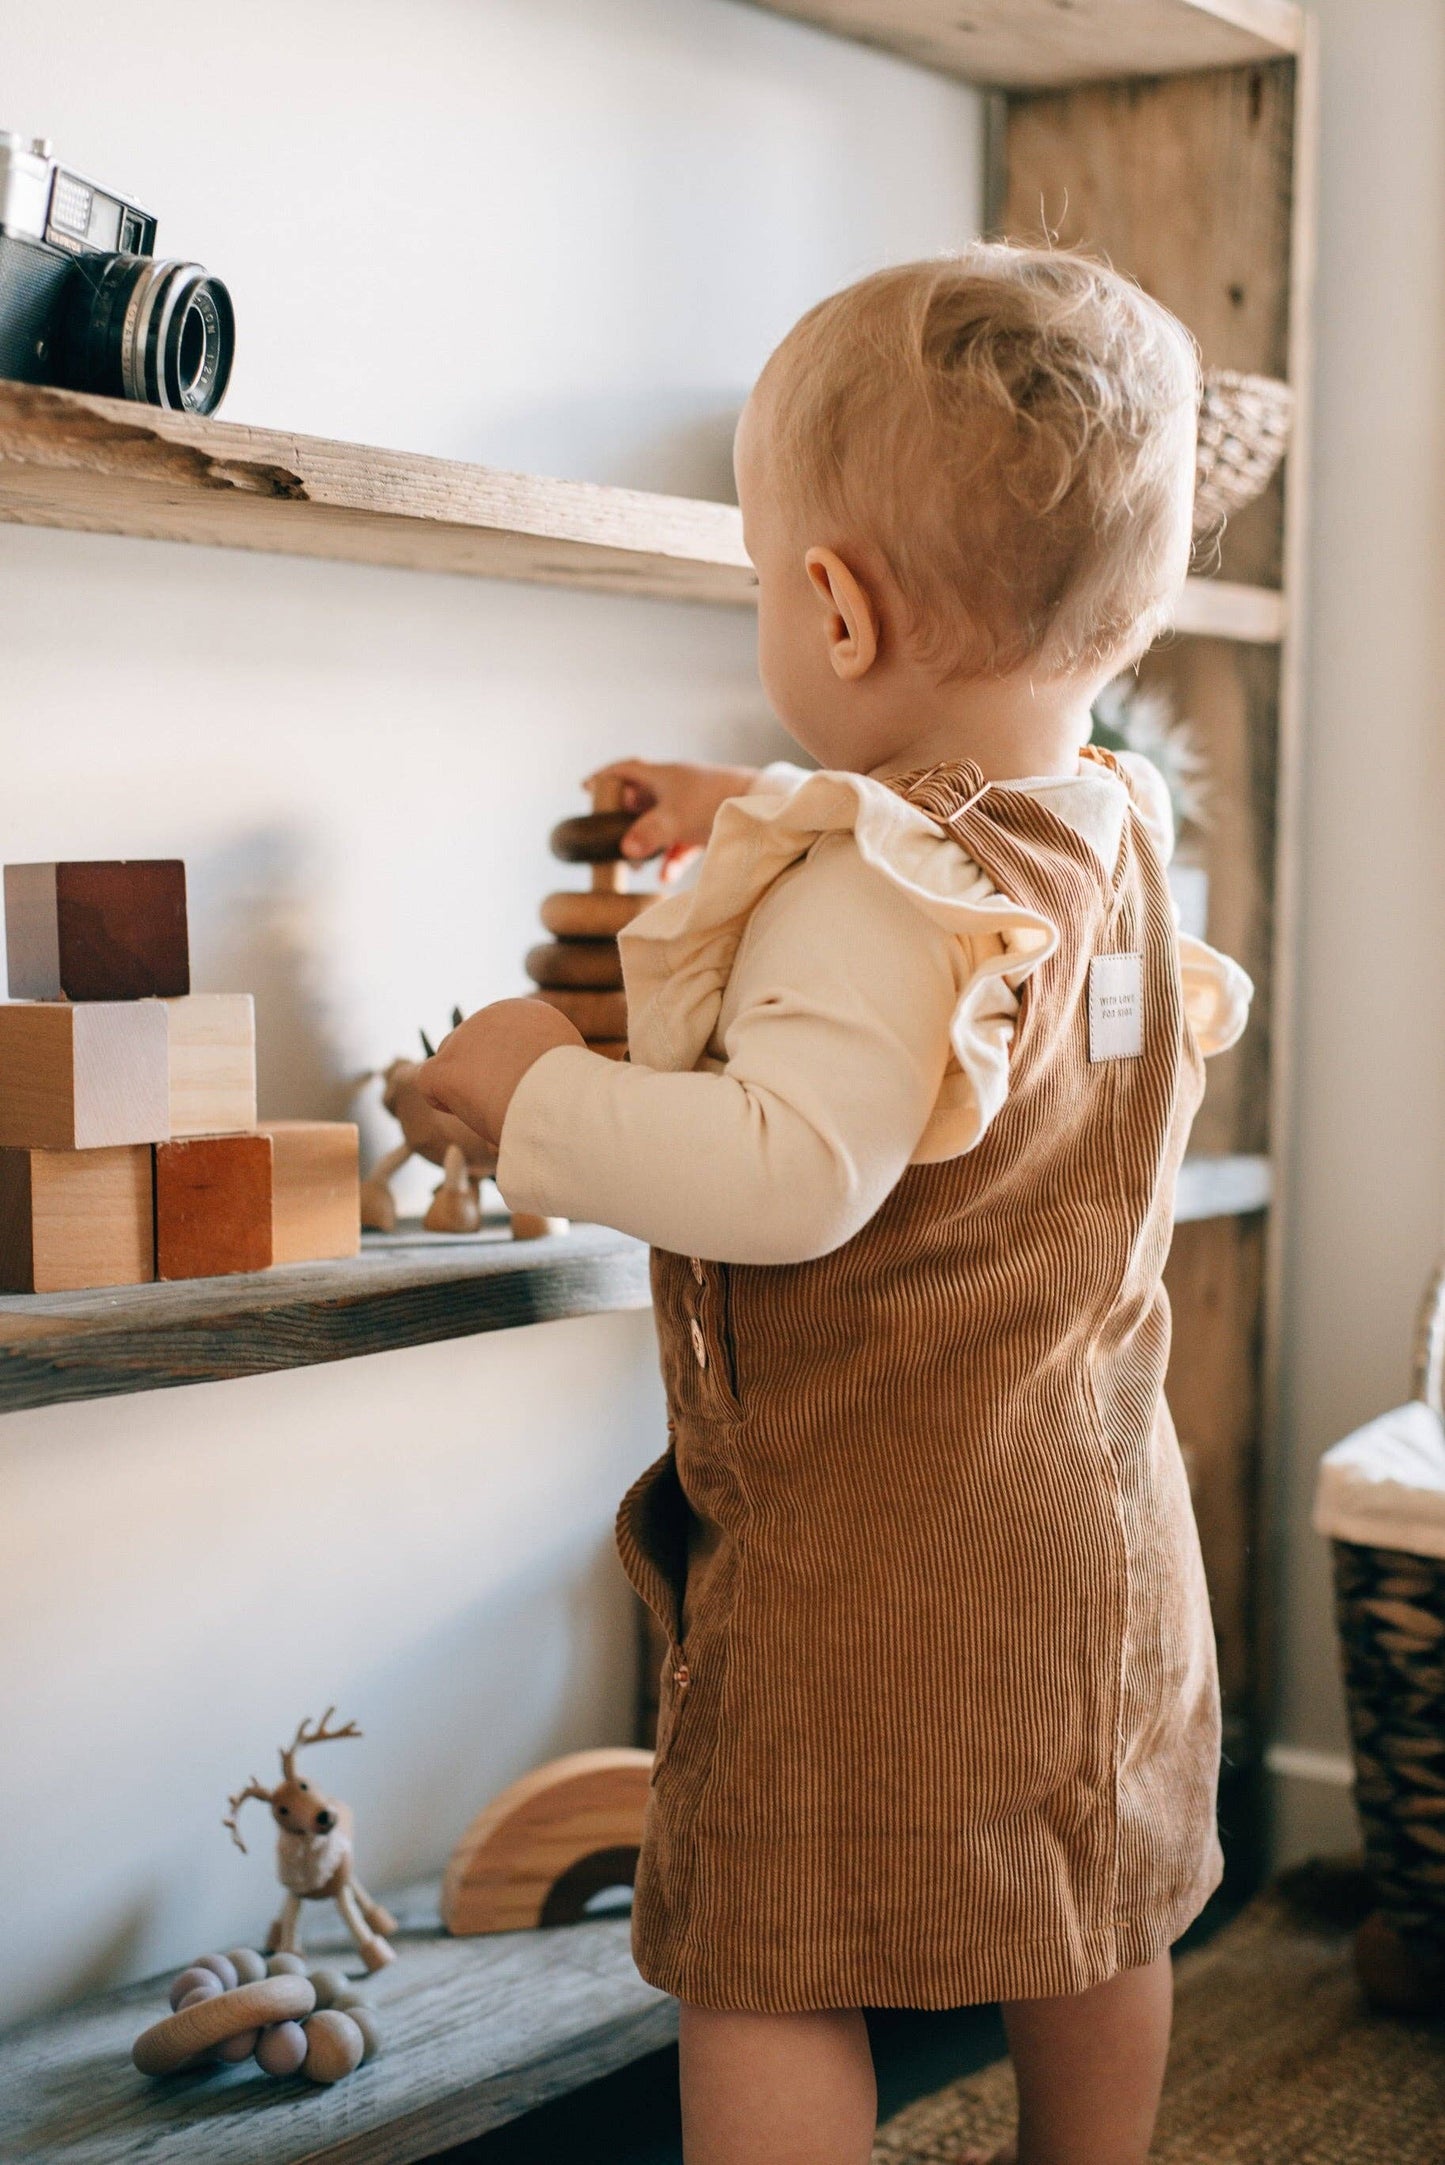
913,1064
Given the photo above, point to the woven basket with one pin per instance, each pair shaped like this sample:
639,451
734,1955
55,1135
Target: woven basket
1244,426
1391,1609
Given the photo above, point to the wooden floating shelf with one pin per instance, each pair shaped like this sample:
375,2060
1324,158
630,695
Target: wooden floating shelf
405,1289
1048,44
62,1346
106,466
474,2032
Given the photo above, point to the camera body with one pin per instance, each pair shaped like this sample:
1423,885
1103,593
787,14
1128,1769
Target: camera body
86,303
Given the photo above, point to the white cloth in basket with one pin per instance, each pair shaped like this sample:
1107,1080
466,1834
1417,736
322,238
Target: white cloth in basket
1384,1486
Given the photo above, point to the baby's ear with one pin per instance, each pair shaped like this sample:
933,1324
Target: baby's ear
851,621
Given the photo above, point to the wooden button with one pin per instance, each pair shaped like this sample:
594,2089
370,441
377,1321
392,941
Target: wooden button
699,1343
591,916
591,837
596,1014
697,1271
594,964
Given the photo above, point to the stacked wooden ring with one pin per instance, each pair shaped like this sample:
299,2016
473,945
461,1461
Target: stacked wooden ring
579,970
295,2021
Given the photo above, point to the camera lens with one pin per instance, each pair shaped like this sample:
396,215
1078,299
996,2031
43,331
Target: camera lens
146,328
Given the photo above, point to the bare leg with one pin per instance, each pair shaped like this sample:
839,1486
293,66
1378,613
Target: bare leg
1090,2067
776,2089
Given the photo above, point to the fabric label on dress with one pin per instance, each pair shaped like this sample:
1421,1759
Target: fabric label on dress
1116,1007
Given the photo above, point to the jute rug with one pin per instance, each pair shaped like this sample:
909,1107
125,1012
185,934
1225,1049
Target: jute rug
1276,2060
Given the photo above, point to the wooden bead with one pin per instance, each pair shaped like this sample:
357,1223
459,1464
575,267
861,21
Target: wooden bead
591,837
365,2020
596,1014
281,2049
611,1048
249,1966
238,2048
574,916
197,1993
334,2046
593,964
170,2043
285,1965
327,1985
220,1966
191,1980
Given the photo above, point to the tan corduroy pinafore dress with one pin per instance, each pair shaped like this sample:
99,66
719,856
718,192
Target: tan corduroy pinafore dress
940,1719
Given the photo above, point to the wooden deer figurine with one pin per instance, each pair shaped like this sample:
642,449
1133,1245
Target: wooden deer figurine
313,1852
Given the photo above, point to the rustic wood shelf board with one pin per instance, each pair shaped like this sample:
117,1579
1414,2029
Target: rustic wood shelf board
60,1346
103,466
107,466
1047,44
475,2031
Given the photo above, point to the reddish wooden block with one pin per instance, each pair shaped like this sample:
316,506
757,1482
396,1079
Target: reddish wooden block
213,1206
97,931
75,1218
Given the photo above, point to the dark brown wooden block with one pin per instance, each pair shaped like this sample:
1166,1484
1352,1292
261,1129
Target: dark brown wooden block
97,930
593,965
72,1219
213,1206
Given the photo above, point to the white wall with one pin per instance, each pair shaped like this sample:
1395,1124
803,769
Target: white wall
1369,1172
559,234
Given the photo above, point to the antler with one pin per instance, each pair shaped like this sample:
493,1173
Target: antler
252,1789
319,1735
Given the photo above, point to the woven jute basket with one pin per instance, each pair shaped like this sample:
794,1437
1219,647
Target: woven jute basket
1391,1610
1244,425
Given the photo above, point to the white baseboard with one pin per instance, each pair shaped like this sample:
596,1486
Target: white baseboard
1312,1809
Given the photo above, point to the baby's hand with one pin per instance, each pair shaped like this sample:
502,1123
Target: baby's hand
474,1072
676,806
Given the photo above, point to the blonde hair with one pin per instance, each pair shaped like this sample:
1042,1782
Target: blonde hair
1012,430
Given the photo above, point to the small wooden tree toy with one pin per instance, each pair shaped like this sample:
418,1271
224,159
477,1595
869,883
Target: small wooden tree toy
579,971
313,1852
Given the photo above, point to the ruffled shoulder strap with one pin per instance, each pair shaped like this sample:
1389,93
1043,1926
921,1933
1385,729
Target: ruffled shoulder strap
677,956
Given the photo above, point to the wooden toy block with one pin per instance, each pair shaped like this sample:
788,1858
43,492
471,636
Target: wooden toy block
574,916
212,1037
71,1219
213,1206
97,931
590,965
83,1078
596,1014
546,1845
316,1189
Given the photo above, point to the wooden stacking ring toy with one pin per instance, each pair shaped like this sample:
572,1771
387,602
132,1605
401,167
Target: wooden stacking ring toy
590,837
203,2024
596,1014
570,915
588,965
547,1844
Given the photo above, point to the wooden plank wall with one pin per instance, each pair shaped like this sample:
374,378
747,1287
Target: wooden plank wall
1187,185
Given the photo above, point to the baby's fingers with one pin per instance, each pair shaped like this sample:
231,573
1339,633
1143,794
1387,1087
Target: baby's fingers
638,781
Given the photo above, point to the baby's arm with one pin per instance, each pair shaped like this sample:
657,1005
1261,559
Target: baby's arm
843,994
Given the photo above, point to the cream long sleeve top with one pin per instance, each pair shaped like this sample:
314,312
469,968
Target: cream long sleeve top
833,1000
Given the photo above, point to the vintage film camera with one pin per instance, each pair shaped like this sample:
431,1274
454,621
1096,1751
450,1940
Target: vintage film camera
85,302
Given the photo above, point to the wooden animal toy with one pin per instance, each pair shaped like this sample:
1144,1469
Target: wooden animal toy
579,971
313,1852
465,1161
545,1846
231,2007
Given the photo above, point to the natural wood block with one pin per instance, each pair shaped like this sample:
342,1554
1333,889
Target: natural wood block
596,1014
316,1189
83,1078
104,930
590,837
582,916
213,1206
593,965
546,1845
72,1219
212,1038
